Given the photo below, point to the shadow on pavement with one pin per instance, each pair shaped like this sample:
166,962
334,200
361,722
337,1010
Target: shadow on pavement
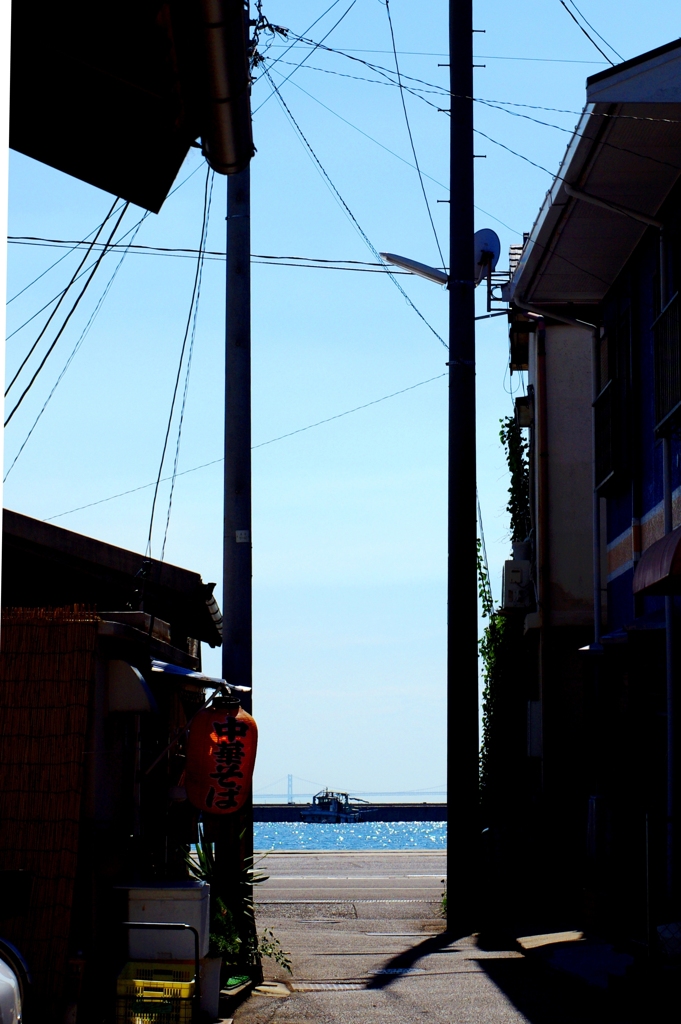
545,996
403,961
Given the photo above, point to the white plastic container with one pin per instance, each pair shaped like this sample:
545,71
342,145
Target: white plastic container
178,903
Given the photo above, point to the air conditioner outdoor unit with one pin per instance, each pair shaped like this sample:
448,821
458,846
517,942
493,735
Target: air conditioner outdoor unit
517,590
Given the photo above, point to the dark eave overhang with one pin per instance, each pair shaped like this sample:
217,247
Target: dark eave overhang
46,565
115,96
626,152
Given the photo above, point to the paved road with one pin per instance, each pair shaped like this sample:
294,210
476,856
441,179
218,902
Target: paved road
366,940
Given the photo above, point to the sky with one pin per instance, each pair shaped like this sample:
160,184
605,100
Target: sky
349,518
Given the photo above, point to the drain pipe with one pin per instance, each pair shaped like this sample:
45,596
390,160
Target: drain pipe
668,515
596,506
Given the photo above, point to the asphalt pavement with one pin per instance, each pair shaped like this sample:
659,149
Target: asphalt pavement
366,938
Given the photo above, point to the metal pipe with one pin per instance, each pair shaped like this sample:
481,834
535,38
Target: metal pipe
596,501
227,140
462,590
586,197
669,669
668,513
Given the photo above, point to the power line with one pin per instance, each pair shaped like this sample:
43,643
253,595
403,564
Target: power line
66,320
478,56
443,91
281,437
311,52
340,415
582,29
347,209
609,45
72,356
204,235
179,367
74,246
74,277
397,156
409,132
83,272
315,22
311,262
36,279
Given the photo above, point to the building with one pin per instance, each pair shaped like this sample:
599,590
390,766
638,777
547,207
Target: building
90,792
595,322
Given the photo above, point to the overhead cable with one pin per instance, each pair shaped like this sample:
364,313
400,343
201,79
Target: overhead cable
582,29
281,437
315,22
311,262
66,319
74,277
410,134
206,221
36,279
609,45
347,209
478,56
73,354
333,27
197,277
444,91
74,246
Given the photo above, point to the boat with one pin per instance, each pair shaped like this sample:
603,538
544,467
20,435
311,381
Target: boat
331,807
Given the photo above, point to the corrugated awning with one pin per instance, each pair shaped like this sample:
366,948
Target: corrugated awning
659,569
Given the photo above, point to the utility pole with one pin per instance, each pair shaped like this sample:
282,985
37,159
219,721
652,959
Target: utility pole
234,832
462,584
237,641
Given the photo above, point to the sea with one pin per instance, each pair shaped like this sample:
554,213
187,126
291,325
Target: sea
361,835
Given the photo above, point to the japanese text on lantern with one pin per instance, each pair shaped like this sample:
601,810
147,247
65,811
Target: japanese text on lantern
228,754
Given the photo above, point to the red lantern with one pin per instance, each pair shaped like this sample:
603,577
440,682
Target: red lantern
220,757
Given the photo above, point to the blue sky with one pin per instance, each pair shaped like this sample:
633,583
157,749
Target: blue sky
349,518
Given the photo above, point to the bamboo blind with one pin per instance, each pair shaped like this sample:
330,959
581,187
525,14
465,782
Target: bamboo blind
47,669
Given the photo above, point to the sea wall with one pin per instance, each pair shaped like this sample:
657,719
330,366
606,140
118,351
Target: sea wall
373,812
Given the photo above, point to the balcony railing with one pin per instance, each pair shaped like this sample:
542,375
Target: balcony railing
667,366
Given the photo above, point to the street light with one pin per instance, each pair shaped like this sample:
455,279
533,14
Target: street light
486,249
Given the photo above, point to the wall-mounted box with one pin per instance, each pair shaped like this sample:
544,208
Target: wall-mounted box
517,589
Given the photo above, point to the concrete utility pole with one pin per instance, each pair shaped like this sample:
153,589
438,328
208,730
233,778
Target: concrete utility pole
237,641
233,833
462,584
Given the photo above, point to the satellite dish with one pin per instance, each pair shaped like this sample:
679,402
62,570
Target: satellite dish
487,250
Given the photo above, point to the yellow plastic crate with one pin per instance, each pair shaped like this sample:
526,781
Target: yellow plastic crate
130,1010
155,993
175,980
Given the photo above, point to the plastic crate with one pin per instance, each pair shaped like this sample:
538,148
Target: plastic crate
155,993
143,1010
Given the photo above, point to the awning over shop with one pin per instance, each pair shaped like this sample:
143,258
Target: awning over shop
620,165
659,569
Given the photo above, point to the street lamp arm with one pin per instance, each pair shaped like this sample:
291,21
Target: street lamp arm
413,267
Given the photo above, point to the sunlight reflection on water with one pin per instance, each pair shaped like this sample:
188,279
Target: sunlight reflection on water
362,835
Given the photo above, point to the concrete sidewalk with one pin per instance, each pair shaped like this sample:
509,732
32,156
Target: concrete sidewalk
366,939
